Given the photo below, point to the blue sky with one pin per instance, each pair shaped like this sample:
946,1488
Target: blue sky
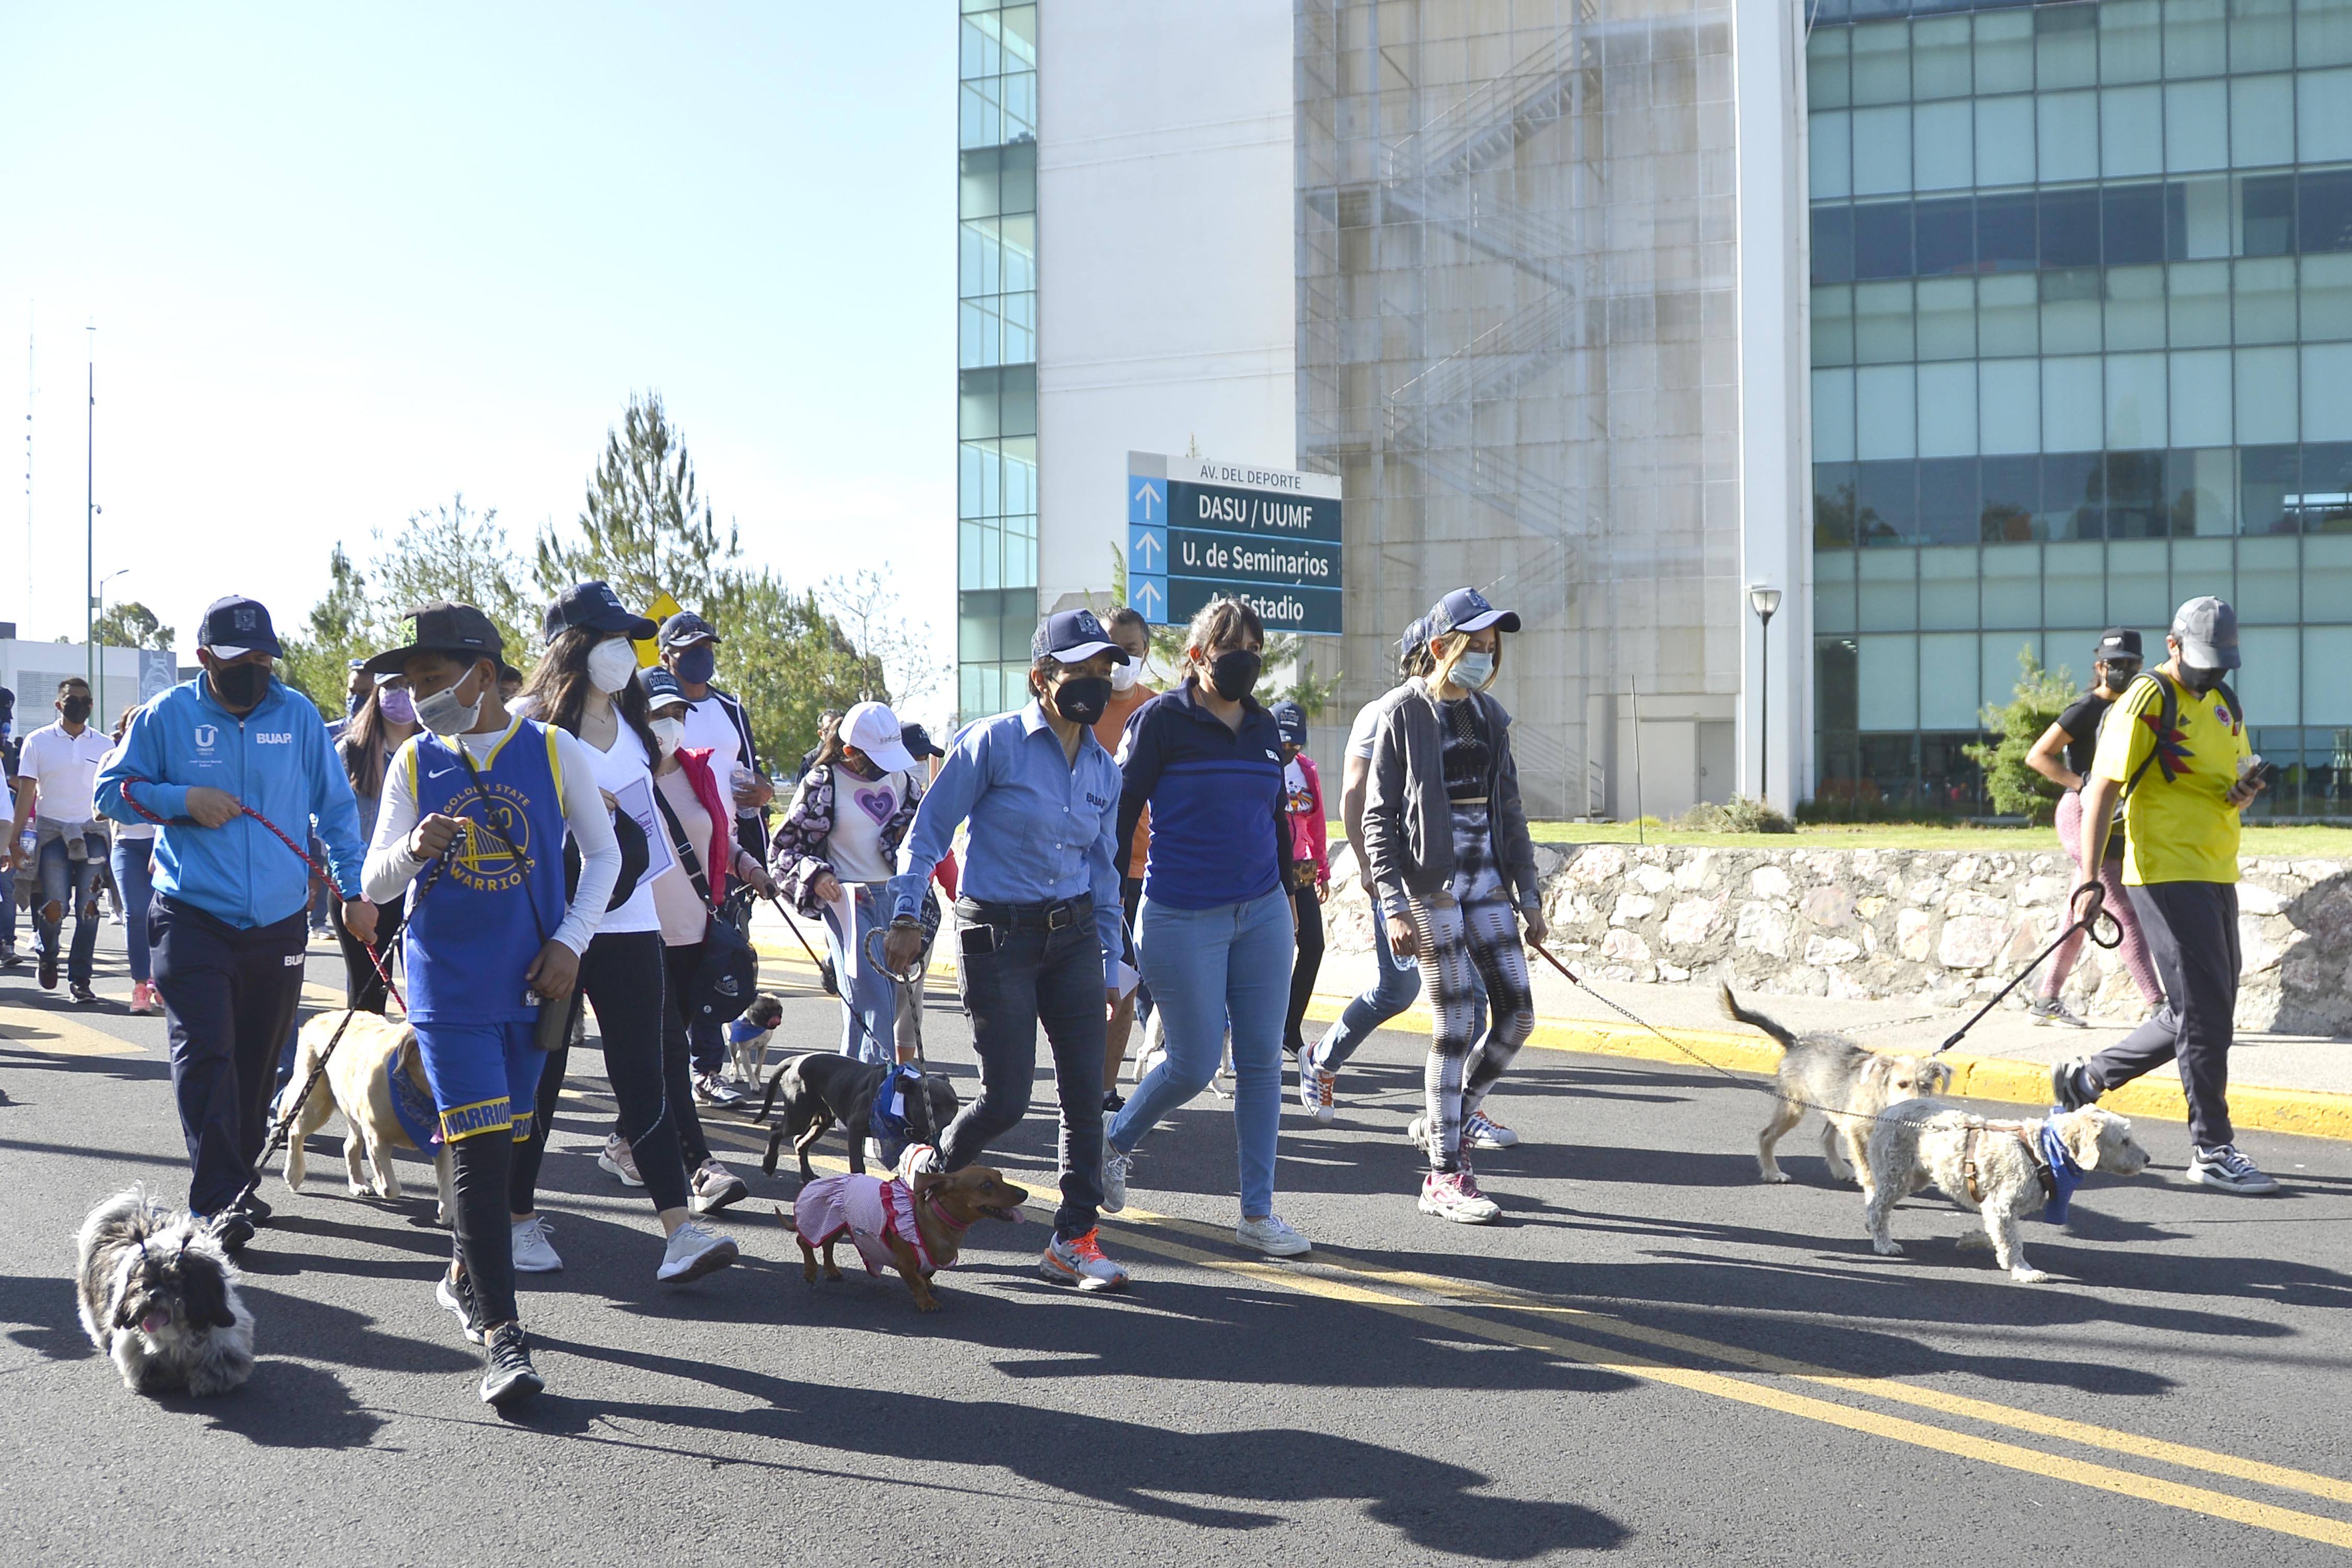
345,262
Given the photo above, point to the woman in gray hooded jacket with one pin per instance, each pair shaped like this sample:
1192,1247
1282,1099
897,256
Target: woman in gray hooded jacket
1451,859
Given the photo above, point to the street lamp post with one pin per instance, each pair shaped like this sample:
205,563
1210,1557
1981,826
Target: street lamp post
1765,600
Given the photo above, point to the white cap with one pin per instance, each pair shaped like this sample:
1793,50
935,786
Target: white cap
872,729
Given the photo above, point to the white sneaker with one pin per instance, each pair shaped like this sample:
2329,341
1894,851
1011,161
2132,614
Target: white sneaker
694,1252
1315,1092
1416,1132
621,1160
1116,1166
1481,1130
458,1300
532,1254
1455,1196
1272,1236
1079,1261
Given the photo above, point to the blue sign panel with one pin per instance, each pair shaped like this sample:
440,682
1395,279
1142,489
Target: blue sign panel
1200,529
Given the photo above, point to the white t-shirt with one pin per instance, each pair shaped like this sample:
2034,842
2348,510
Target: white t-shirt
861,808
64,770
709,727
123,830
623,774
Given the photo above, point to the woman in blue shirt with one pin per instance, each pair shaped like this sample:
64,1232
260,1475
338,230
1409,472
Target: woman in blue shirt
1039,910
1215,930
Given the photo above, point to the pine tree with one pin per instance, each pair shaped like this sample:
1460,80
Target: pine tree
644,528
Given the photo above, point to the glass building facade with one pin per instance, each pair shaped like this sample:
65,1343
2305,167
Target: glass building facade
996,356
2082,349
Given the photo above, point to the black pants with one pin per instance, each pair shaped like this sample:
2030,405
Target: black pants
2192,935
678,1066
230,997
1015,975
364,989
624,977
1303,969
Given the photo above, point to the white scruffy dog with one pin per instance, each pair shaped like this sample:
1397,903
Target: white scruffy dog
2004,1169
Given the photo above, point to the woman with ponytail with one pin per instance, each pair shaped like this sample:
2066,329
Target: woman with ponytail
1444,832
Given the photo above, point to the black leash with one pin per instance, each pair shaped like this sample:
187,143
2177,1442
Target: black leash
2089,924
824,967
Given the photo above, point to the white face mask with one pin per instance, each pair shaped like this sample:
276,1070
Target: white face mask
669,734
611,665
1123,676
444,715
1473,670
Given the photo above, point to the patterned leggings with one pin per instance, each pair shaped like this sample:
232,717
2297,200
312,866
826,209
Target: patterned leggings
1460,944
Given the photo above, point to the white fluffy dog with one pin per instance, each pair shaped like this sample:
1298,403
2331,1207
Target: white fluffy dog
159,1296
2004,1169
376,1059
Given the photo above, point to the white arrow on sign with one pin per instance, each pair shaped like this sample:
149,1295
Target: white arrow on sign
1144,547
1147,599
1147,494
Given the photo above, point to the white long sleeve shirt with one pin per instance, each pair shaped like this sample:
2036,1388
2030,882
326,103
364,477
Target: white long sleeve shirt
391,867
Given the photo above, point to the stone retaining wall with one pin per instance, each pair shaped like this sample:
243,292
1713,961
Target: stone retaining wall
1935,925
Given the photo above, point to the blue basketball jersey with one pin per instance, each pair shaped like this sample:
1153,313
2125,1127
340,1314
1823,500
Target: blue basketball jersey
472,936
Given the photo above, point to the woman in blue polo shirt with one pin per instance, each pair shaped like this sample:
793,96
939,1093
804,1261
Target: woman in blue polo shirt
1214,933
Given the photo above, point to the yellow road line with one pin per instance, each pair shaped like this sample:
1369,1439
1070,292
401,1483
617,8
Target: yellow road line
1136,1225
2009,1455
55,1035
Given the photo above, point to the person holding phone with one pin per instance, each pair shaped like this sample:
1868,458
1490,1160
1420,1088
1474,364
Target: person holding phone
2174,751
1038,903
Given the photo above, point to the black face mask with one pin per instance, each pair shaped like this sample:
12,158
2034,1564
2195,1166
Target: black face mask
76,709
2199,679
239,686
1234,674
1082,697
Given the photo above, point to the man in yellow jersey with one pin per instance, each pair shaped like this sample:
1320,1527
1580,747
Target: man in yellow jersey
2174,749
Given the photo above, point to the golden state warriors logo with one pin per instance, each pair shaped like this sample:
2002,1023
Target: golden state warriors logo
484,859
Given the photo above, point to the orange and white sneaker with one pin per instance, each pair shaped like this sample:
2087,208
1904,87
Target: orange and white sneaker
1079,1261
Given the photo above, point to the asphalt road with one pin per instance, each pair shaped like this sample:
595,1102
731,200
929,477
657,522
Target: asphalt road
1653,1357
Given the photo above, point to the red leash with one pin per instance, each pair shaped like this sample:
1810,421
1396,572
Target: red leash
375,960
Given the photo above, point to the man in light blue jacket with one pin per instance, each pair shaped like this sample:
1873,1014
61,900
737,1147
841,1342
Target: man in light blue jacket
226,764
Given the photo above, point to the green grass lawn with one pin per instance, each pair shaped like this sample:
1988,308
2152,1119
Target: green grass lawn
2317,843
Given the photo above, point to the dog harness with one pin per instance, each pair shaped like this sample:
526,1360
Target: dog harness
2054,1205
867,1209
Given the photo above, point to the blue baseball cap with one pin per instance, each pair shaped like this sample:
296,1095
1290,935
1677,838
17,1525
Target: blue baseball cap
1291,719
1466,610
661,687
593,606
236,626
918,742
1073,636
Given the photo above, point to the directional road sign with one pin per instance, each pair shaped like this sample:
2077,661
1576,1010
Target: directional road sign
1199,529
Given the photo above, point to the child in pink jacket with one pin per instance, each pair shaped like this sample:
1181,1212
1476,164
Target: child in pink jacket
1310,863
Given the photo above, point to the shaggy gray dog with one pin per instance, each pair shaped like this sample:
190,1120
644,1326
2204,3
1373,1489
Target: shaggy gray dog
1851,1085
159,1296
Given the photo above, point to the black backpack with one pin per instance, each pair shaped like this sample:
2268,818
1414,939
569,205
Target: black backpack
2168,720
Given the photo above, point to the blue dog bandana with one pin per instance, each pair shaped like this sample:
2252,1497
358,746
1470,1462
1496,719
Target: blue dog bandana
2064,1175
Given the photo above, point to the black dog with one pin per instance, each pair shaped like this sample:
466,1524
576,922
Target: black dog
824,1088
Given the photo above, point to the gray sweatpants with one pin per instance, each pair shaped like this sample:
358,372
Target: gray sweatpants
2192,929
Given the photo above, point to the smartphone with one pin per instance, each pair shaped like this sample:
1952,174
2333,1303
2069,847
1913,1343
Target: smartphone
978,939
2261,772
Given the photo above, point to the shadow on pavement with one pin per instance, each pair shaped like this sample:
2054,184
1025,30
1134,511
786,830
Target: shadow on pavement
1140,1468
289,1405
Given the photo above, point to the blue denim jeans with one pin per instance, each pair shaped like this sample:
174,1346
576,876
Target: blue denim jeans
134,879
1208,968
71,885
869,998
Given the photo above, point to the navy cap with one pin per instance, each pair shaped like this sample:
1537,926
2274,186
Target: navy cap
1073,636
661,687
1291,719
1414,640
593,606
918,742
235,626
461,631
685,630
1466,610
2207,631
